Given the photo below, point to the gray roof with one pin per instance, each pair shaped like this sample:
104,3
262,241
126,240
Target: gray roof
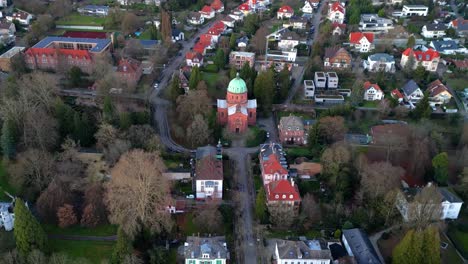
310,249
195,246
442,45
293,122
290,35
436,27
384,57
449,196
410,87
361,246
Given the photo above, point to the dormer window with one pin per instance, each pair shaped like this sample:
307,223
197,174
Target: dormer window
284,196
291,196
205,255
276,196
289,128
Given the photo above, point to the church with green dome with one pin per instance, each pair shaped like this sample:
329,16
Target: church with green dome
237,112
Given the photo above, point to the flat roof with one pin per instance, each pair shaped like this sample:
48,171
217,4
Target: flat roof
331,74
100,44
12,52
415,6
320,74
243,53
309,82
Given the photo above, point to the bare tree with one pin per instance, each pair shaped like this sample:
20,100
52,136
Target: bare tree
209,219
380,177
130,23
40,130
60,8
332,128
56,195
334,158
137,193
144,137
66,216
425,207
282,216
134,49
105,136
401,111
198,132
193,103
310,211
383,108
259,39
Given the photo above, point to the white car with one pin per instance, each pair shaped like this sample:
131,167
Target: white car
156,86
190,196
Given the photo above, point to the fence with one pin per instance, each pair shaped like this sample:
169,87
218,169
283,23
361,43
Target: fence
80,27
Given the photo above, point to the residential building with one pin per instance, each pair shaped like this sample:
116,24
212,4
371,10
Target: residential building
415,10
7,28
438,93
207,12
237,112
396,94
296,22
209,173
289,40
147,67
196,18
237,15
332,80
24,18
429,59
359,246
129,70
201,250
380,62
273,165
309,89
433,30
338,29
372,22
177,35
460,25
95,10
337,58
460,64
283,193
395,2
55,52
7,217
291,131
336,13
239,58
285,12
217,6
444,205
372,92
242,42
412,92
301,252
307,8
245,9
193,59
320,80
362,42
4,3
5,58
448,47
229,21
282,56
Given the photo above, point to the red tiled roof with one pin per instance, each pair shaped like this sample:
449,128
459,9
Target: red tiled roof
219,25
273,165
336,6
217,4
209,168
336,24
286,9
207,9
205,39
420,55
215,31
355,37
244,7
85,34
192,55
368,85
462,64
199,47
275,191
396,93
128,65
20,15
458,20
53,52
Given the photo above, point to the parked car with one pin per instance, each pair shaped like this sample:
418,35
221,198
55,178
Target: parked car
190,196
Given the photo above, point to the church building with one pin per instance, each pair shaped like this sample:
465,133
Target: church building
237,112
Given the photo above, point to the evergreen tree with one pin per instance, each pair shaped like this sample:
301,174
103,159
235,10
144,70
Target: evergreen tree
264,90
232,73
8,139
260,206
284,84
431,246
402,253
28,233
87,136
440,163
220,59
411,42
77,127
122,248
195,78
108,111
423,108
418,246
125,120
175,89
232,41
75,74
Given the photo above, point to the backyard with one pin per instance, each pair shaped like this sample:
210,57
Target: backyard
102,230
80,20
94,251
5,186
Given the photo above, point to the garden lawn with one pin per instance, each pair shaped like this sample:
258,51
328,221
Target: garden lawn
449,255
460,239
299,152
256,136
79,20
187,226
372,104
94,251
4,184
102,230
457,84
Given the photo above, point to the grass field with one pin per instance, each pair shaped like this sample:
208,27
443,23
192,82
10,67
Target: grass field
256,136
4,184
103,230
94,251
77,19
460,238
457,83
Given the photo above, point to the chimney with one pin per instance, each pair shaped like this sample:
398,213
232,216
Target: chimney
292,182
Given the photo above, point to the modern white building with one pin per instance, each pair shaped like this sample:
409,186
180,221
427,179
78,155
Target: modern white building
380,62
433,30
374,23
332,80
203,250
320,79
289,40
300,252
209,172
24,18
415,10
309,89
7,217
94,10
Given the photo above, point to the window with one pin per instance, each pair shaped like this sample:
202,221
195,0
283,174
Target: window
284,196
291,196
276,196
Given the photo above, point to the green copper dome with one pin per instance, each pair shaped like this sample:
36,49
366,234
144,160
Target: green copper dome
237,85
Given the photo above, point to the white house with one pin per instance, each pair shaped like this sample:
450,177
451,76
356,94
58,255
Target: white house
446,206
296,23
433,30
193,59
372,22
202,250
320,80
285,12
196,19
228,21
300,252
429,59
289,40
177,35
95,10
307,8
207,12
309,89
332,80
23,17
336,13
412,92
3,3
209,173
237,15
372,92
414,10
7,217
380,62
338,29
362,42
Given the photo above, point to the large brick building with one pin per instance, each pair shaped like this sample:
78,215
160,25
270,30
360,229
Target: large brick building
237,112
291,130
53,53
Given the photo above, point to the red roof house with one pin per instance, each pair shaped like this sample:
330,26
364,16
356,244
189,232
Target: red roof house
285,12
218,6
194,59
282,192
129,70
372,92
49,58
207,12
272,169
245,8
429,59
396,94
336,6
363,42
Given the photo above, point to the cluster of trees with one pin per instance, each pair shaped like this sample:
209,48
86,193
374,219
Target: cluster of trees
418,246
271,87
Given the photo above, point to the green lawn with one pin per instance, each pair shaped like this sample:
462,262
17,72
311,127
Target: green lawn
103,230
189,227
4,184
372,104
258,182
449,255
94,251
145,35
299,152
256,136
185,187
210,78
457,83
77,19
460,239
